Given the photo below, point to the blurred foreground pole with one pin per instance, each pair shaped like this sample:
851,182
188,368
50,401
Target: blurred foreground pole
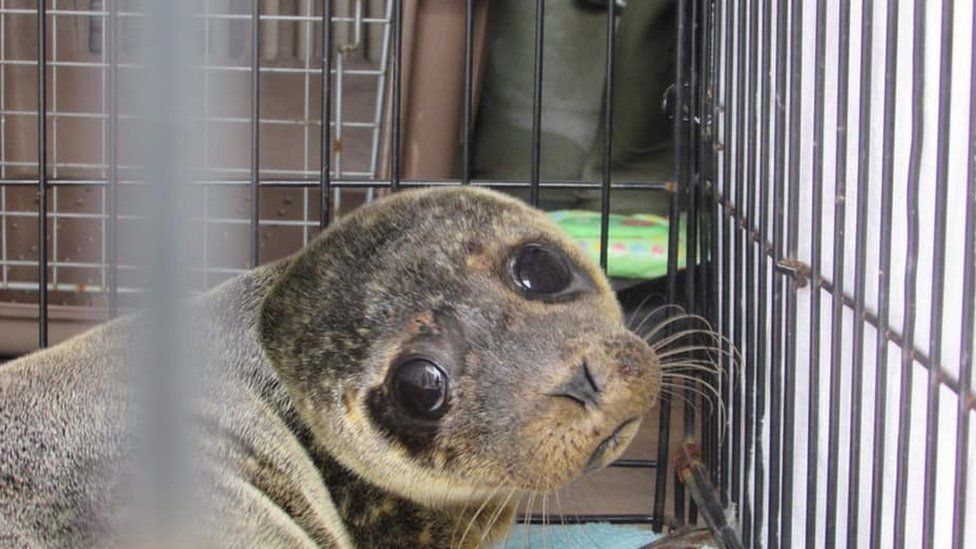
166,365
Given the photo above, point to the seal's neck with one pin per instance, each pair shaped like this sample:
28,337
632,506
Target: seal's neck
376,518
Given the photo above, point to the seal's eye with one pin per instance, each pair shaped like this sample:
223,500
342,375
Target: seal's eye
541,271
420,388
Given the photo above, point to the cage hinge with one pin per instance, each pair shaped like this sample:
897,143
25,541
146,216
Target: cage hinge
798,270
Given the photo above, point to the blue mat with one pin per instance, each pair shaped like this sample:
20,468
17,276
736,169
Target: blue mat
586,536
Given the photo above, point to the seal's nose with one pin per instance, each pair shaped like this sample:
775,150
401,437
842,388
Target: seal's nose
581,388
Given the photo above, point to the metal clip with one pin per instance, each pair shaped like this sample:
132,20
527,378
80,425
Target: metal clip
798,270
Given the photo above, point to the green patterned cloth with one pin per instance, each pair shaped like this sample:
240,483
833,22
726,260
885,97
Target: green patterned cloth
638,243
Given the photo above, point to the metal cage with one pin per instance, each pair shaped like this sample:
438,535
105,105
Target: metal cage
837,139
764,108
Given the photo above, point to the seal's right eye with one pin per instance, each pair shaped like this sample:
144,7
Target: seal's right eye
541,272
420,388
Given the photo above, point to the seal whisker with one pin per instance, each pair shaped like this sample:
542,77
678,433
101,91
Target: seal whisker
700,353
688,333
528,513
658,310
707,361
723,341
692,350
562,519
691,366
675,389
711,364
688,377
545,517
703,357
474,517
689,357
633,315
714,354
559,509
657,328
705,396
495,516
687,400
457,523
692,370
538,493
671,392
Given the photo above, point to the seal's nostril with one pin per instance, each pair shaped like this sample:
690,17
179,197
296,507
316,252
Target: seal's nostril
590,378
582,388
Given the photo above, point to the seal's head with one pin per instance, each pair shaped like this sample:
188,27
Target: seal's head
444,344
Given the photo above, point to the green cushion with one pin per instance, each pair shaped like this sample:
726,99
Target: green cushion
638,243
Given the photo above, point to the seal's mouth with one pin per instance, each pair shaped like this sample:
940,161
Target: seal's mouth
611,447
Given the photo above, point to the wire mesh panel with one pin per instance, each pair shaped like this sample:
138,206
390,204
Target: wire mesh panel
90,67
845,262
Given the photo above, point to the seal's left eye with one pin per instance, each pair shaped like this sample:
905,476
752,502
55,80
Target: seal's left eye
541,271
420,388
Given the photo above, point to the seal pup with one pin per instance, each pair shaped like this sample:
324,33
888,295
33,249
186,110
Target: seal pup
400,382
